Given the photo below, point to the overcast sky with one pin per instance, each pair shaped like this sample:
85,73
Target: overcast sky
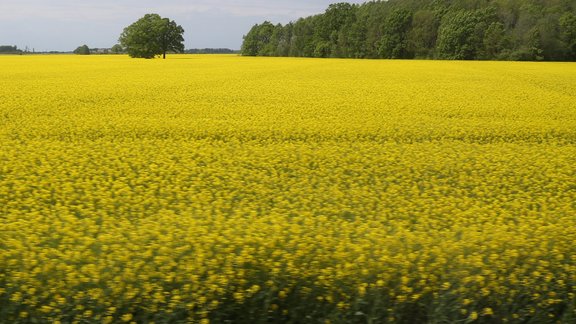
63,25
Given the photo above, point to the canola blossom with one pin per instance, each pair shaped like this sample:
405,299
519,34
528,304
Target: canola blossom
255,190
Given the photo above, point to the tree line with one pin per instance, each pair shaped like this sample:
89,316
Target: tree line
210,51
8,49
520,30
85,50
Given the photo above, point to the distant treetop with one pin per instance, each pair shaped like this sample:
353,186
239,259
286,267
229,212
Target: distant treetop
82,50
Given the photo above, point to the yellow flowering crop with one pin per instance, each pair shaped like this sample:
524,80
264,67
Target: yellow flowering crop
225,188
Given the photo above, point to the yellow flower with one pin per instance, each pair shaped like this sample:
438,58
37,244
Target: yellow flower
487,311
126,317
46,309
239,296
108,320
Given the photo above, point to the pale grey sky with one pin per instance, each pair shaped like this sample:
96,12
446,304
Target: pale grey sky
63,25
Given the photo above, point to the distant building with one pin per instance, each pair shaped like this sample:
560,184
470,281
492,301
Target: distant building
100,50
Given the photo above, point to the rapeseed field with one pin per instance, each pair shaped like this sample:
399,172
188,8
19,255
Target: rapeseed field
282,190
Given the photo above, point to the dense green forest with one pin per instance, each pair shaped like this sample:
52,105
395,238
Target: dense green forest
435,29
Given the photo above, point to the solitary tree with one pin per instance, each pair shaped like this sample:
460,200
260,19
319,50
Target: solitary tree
82,50
152,35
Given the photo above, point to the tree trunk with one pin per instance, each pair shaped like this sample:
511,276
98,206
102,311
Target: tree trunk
164,55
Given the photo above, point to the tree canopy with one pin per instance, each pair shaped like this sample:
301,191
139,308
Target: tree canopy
439,29
117,49
152,35
82,50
